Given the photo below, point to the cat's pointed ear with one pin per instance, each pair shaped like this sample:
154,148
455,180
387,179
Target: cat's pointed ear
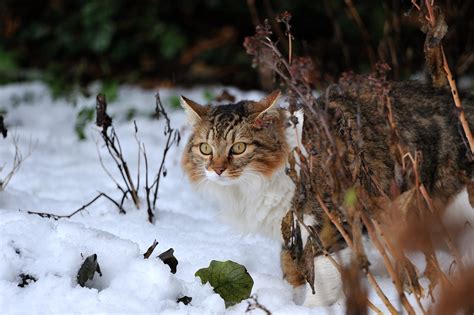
268,102
264,107
193,110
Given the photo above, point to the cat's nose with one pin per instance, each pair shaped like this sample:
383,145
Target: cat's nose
219,170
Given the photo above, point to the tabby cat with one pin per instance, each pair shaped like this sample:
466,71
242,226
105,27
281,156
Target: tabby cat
237,155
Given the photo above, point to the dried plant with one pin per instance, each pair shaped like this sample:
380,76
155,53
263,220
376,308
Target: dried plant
433,24
18,158
127,186
114,149
349,204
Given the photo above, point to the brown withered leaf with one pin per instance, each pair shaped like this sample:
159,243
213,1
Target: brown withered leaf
169,259
328,234
434,35
432,273
150,250
308,263
286,227
410,278
433,50
102,119
291,170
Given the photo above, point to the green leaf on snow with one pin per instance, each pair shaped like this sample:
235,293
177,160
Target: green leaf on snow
229,279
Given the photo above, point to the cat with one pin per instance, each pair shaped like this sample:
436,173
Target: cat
238,155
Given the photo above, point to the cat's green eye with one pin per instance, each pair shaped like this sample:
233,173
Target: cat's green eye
205,148
238,148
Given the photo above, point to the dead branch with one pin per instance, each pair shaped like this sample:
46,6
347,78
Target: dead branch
149,209
388,264
432,25
253,304
350,243
112,143
173,137
18,159
68,216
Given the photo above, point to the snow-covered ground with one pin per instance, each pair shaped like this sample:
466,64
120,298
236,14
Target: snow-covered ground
63,173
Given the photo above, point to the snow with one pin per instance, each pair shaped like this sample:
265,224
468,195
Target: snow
63,173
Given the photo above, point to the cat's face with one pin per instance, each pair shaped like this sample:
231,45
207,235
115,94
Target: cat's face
231,143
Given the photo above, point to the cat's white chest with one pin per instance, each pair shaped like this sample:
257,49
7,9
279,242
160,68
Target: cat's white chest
254,205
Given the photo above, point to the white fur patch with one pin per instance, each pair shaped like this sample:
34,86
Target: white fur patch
252,203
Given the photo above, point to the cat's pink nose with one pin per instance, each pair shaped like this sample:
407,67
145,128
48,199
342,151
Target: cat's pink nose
219,170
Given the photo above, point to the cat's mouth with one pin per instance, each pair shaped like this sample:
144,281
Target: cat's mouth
222,179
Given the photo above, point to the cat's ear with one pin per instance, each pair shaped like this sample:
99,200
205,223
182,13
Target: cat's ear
268,102
265,110
194,111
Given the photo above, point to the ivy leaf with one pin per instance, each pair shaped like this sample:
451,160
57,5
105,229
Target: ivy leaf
229,279
88,269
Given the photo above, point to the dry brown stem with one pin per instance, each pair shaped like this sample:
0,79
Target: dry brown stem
18,159
431,18
84,207
349,242
457,102
388,264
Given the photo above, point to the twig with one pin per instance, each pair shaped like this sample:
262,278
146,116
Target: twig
106,170
253,304
18,159
173,138
445,232
431,18
64,216
326,254
149,209
114,148
349,242
457,102
388,264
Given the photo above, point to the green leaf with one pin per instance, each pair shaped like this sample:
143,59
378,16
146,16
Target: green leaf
7,61
88,269
110,88
208,96
350,198
84,116
229,279
174,101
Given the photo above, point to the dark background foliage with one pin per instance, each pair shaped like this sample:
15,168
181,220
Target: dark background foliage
69,42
